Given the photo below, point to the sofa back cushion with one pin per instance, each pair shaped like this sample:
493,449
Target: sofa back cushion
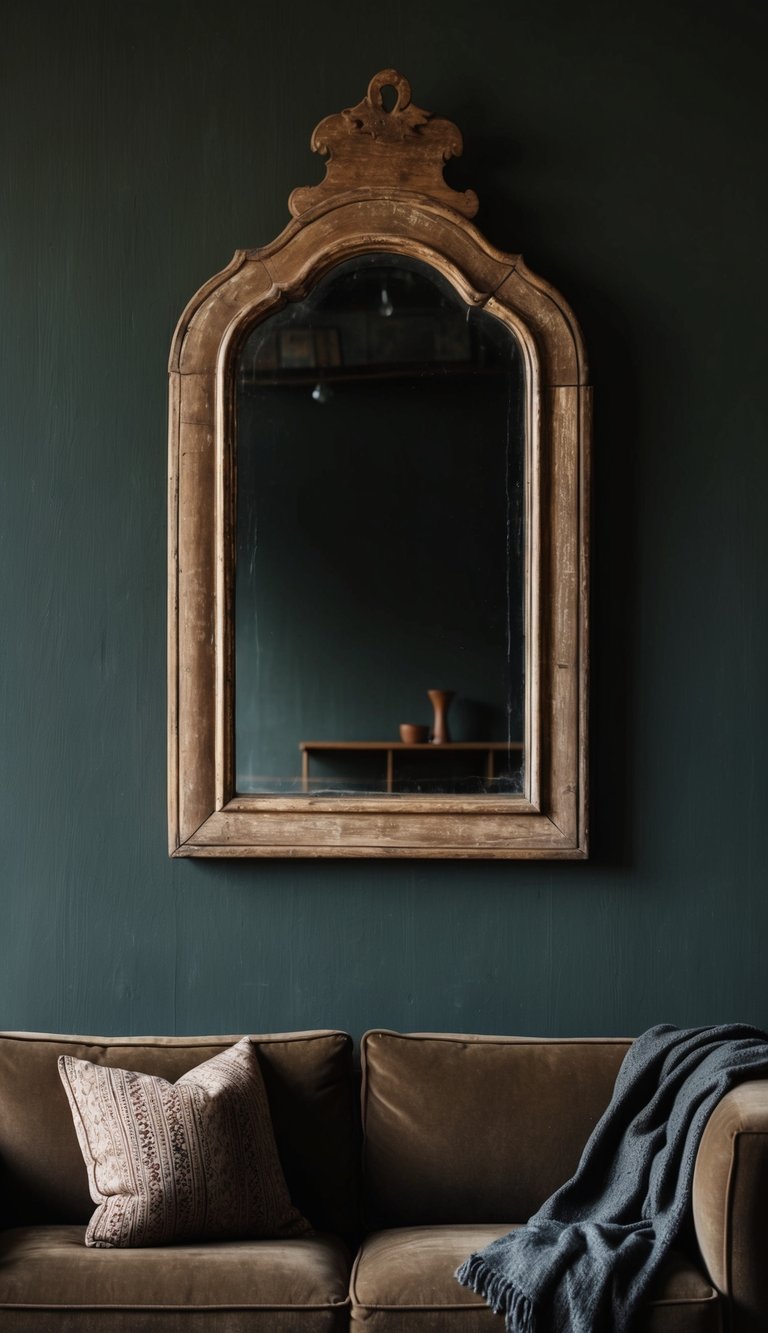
462,1129
310,1086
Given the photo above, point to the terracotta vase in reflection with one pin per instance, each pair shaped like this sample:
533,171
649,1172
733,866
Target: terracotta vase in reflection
440,699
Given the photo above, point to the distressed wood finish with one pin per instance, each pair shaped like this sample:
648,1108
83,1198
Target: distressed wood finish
383,192
404,148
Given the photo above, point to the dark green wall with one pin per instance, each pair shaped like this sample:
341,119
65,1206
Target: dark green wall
621,148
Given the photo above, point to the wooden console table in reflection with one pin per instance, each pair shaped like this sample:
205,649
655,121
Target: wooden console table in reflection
390,748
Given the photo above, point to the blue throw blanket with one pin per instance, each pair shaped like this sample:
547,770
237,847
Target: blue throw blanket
585,1260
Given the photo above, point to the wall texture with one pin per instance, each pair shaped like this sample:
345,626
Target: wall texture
620,148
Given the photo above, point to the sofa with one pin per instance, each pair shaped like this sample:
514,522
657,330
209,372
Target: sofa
460,1138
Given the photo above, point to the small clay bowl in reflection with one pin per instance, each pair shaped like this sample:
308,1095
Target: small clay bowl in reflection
411,734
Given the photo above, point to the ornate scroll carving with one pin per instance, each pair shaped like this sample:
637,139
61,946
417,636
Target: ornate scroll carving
370,147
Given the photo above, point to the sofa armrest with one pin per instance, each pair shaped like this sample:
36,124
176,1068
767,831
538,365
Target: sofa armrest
730,1203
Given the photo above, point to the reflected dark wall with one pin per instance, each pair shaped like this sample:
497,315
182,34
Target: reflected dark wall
379,537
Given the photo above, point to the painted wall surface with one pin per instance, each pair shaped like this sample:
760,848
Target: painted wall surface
621,149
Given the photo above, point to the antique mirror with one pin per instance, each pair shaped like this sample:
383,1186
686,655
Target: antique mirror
379,430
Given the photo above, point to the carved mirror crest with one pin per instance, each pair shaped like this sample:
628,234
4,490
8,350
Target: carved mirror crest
378,527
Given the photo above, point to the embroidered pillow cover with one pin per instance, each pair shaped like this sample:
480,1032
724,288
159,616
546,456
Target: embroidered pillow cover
190,1160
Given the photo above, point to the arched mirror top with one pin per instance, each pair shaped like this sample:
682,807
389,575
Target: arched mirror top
253,346
384,191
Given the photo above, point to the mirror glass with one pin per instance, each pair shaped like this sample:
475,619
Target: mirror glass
380,542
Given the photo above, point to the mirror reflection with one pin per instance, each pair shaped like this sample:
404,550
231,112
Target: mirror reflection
378,589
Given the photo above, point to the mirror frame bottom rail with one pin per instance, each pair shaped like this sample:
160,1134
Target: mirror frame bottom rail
473,832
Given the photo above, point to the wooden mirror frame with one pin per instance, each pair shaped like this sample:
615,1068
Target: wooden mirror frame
383,192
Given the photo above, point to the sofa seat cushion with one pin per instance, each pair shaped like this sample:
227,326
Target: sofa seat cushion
48,1267
403,1282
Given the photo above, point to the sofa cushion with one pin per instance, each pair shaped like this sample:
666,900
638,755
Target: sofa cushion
190,1160
273,1286
403,1282
310,1087
461,1129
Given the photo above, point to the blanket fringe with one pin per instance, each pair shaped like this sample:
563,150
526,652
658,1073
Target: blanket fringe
498,1292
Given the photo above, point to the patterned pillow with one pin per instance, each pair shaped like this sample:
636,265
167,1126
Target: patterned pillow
190,1160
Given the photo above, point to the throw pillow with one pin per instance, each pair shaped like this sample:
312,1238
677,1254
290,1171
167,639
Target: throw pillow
190,1160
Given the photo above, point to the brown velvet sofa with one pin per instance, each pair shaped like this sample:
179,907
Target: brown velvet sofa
460,1139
